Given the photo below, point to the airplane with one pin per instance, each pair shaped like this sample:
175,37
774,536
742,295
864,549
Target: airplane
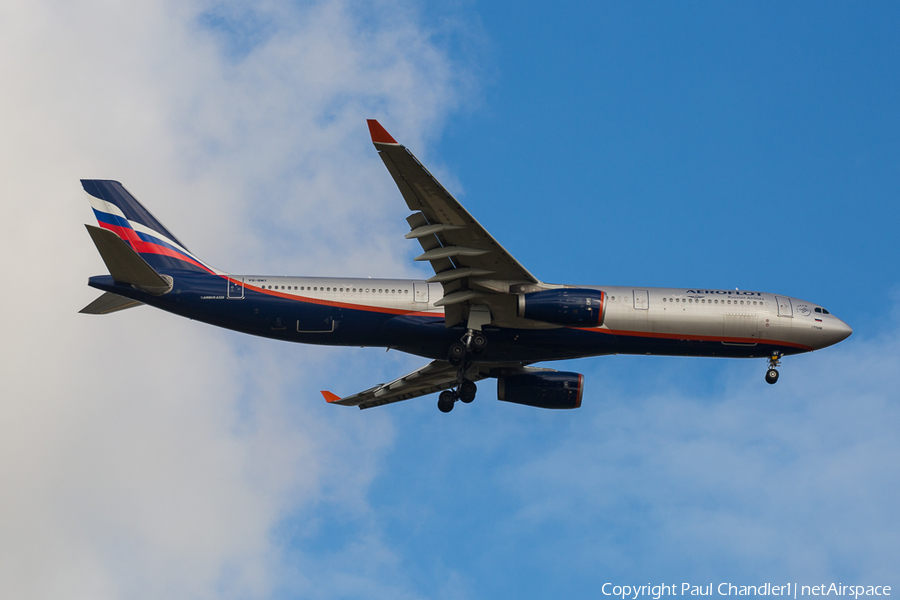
482,315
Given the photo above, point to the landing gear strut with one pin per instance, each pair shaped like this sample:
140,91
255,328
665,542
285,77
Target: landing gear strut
772,372
472,343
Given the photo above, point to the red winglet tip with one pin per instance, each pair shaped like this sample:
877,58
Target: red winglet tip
329,397
379,134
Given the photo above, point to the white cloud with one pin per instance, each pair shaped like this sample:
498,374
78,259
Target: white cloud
143,456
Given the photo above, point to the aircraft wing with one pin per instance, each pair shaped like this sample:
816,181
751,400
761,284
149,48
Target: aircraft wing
472,266
435,376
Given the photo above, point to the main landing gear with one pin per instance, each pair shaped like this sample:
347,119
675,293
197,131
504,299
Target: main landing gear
772,372
465,392
472,344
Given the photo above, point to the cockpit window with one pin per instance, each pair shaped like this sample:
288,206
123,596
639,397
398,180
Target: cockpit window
823,311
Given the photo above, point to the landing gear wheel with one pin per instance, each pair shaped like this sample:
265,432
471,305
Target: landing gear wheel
456,353
479,342
771,375
446,400
467,391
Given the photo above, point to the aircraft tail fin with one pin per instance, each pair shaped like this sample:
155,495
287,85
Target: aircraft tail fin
120,213
109,303
125,264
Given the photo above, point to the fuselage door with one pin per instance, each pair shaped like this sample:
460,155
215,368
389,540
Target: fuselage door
641,299
236,288
421,292
784,306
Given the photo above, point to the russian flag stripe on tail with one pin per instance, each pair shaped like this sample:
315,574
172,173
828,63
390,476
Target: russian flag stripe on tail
130,209
120,212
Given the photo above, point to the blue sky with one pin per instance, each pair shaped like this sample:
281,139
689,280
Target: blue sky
713,145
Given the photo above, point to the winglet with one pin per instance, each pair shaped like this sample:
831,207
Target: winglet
379,134
329,397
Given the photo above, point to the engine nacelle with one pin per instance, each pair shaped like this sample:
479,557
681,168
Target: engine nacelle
542,389
570,307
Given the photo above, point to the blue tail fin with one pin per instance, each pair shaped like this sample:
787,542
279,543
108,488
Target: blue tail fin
119,212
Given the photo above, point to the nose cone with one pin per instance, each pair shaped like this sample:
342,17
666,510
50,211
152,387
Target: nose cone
838,331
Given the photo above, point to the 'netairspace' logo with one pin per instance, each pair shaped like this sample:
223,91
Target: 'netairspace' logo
633,592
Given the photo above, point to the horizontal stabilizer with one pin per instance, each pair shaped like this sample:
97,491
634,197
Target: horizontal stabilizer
109,303
124,264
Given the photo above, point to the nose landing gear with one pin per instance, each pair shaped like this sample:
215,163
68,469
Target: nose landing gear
772,372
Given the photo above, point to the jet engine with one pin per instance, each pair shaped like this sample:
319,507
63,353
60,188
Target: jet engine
542,389
570,307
